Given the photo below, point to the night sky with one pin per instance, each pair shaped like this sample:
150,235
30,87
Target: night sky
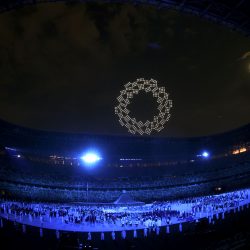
62,67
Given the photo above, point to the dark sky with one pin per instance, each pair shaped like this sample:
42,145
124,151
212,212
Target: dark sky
62,68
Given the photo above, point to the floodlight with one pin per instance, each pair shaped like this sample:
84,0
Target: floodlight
91,158
205,154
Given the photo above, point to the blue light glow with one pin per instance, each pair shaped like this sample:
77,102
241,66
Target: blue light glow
205,154
91,158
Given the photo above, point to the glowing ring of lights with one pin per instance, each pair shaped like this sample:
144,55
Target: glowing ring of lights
164,106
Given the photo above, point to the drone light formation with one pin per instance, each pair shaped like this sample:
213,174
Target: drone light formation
159,120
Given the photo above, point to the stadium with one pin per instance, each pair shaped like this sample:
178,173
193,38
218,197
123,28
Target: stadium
141,166
126,183
62,190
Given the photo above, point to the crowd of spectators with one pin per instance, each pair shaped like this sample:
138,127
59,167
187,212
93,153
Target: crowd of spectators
71,177
144,216
43,193
25,180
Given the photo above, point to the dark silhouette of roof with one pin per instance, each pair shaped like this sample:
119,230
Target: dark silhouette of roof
234,14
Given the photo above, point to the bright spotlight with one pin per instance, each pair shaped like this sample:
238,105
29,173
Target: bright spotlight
91,158
205,154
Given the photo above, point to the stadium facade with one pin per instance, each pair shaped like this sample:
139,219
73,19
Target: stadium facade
41,165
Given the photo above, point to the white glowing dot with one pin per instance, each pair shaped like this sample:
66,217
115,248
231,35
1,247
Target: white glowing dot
91,158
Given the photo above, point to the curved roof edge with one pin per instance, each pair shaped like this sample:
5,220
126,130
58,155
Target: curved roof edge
116,146
233,14
8,127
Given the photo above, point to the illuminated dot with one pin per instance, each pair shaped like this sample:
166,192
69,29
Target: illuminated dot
90,158
205,154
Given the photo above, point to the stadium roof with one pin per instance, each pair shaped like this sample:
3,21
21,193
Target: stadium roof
133,146
234,14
